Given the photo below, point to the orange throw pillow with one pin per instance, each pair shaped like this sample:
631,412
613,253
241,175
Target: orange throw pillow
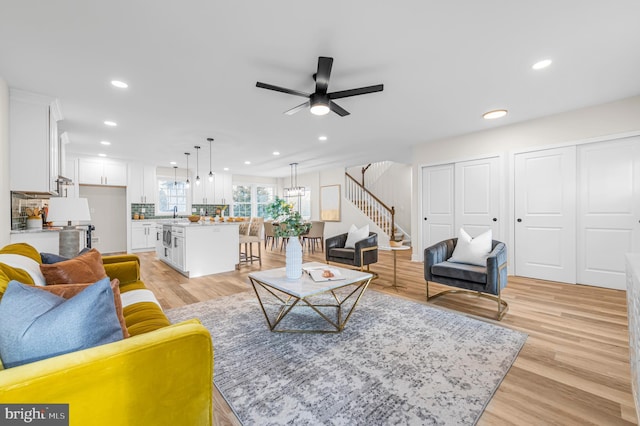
86,268
69,290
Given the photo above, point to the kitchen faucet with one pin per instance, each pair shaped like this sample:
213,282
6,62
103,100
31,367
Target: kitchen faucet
175,211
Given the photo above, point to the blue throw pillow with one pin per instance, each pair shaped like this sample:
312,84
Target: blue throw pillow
35,324
51,258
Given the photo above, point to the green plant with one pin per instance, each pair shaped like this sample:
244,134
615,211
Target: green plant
290,220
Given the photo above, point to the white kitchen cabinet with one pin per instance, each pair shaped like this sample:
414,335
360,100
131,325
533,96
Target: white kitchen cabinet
223,189
142,184
178,247
43,241
95,171
220,191
143,235
159,242
203,193
34,144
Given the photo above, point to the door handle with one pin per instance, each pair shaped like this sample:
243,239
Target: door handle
519,220
425,218
495,219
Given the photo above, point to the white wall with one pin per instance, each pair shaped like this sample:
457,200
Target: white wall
586,124
5,213
107,205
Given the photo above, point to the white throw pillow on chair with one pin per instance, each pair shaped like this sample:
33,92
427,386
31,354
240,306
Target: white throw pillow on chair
473,251
356,235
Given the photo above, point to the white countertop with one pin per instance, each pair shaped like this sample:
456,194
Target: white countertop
35,231
197,224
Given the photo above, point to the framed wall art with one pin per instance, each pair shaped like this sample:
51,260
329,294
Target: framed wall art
330,203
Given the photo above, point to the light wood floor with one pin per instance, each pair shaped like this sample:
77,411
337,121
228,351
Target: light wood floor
573,369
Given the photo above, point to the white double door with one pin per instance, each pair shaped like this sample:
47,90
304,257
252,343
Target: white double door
460,195
577,212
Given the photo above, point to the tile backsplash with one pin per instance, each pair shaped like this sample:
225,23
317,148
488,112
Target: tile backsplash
150,210
19,204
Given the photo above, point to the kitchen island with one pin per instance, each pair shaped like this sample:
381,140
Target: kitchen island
197,249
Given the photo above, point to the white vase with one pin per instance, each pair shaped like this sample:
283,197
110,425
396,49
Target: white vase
294,258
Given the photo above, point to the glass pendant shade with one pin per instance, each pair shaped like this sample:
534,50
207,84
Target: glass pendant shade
197,165
187,183
210,154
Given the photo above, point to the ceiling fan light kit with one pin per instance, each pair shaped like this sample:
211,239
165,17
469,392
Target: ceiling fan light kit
319,105
320,102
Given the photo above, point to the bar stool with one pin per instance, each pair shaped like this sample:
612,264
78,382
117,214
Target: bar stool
251,236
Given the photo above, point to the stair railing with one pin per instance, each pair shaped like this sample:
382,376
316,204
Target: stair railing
381,214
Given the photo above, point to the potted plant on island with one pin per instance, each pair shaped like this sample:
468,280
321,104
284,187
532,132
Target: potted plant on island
290,225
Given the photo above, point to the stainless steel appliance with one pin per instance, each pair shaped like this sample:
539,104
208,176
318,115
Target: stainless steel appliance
166,235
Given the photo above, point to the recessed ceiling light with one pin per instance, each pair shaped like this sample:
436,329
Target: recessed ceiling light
276,153
322,138
492,115
541,64
111,123
102,155
226,169
173,163
105,143
247,162
119,84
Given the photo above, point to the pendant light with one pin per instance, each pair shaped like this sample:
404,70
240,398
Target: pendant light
210,172
175,176
197,165
187,183
294,190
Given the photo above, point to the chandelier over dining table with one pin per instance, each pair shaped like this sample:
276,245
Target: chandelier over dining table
294,190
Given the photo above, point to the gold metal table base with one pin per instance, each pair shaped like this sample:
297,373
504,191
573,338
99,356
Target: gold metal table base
395,274
291,301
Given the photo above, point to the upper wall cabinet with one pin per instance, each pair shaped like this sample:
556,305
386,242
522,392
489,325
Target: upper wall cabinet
95,171
142,185
223,188
34,143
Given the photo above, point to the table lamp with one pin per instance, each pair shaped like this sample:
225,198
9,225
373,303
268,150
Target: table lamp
67,210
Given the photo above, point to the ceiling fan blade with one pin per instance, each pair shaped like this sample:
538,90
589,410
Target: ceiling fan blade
297,108
323,74
356,92
282,89
338,109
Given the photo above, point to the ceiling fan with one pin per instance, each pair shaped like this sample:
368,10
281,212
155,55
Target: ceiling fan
320,101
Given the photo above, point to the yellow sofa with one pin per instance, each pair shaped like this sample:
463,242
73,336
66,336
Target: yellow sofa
161,375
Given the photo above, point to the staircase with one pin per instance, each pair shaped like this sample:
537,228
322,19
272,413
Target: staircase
376,210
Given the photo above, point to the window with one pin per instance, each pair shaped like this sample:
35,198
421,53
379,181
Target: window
252,199
170,195
242,200
264,196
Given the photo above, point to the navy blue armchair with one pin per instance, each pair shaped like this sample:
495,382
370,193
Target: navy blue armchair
485,281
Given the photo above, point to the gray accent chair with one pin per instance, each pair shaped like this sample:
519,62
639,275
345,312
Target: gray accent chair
486,281
364,253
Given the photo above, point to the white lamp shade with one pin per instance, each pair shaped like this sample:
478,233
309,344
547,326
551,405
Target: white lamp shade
66,210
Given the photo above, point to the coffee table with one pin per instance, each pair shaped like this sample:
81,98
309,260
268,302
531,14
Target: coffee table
301,293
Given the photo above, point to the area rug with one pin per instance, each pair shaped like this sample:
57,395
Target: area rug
397,362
